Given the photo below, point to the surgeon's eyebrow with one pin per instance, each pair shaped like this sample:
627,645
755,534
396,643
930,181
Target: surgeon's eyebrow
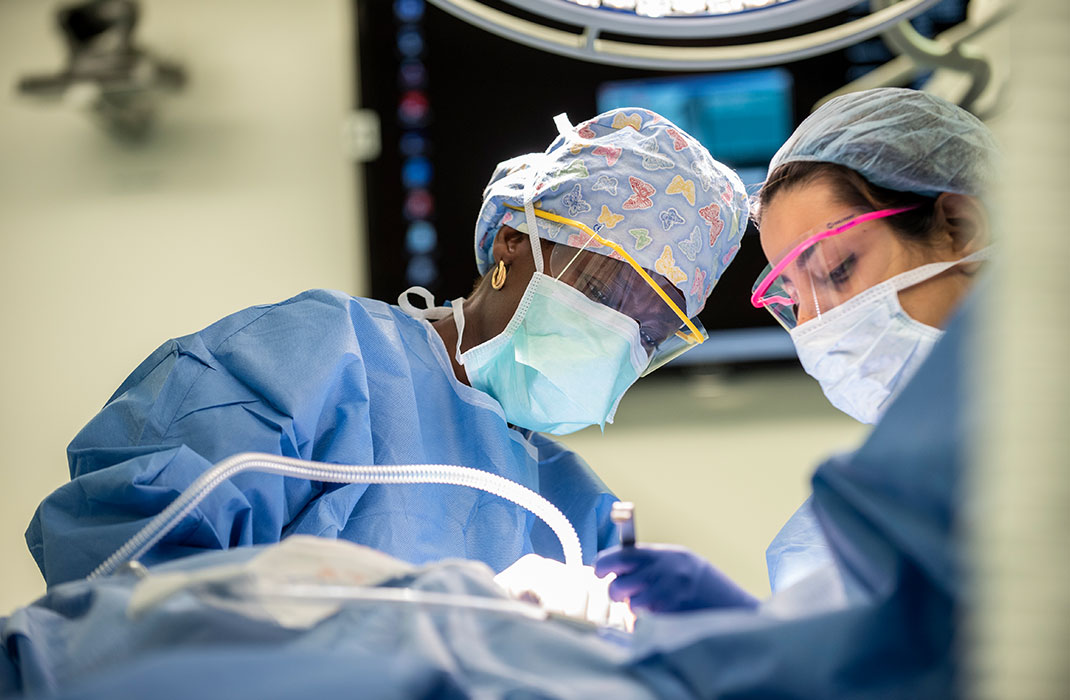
799,262
806,254
802,260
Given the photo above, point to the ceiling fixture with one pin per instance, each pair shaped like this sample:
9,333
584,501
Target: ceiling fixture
646,33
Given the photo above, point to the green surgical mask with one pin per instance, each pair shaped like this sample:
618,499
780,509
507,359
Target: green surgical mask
562,363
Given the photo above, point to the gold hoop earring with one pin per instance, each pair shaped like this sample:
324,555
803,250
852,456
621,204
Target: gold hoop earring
497,278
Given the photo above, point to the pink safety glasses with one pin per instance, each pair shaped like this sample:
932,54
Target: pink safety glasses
773,289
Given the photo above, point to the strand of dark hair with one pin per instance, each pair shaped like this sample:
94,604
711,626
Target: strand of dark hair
853,190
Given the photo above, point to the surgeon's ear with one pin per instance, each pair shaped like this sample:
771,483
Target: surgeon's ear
508,244
964,221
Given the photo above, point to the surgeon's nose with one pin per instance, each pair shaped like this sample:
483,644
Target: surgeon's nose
806,310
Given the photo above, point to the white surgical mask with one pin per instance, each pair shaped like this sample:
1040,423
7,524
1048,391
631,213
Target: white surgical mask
864,351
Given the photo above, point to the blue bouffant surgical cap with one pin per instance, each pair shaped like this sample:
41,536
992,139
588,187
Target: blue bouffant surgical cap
636,179
900,139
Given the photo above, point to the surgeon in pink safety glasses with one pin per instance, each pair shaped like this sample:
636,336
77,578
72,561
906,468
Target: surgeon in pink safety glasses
875,225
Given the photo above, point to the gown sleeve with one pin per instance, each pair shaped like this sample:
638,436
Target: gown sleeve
255,381
568,482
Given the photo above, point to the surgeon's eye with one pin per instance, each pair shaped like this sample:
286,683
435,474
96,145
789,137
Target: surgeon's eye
595,291
655,331
648,341
842,272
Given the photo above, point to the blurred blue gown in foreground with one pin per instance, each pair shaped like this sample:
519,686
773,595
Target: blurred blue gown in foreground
326,377
888,512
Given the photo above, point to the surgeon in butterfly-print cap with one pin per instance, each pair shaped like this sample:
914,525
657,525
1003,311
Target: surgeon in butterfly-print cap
597,256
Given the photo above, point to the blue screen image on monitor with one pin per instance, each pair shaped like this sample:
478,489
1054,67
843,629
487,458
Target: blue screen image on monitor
741,117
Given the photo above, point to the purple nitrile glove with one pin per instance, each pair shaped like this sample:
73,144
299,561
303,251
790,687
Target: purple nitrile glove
668,578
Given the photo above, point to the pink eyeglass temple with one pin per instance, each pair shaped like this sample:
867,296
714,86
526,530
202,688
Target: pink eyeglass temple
755,298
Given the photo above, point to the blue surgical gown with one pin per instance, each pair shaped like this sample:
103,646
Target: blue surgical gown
322,376
888,512
801,554
798,549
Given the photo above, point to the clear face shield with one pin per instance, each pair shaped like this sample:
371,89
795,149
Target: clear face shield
620,283
825,267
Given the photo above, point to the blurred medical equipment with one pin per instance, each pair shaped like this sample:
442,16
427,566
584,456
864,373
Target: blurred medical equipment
300,560
302,580
573,591
445,629
623,514
107,73
644,31
159,526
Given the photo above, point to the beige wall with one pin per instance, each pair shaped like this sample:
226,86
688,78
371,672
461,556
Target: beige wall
243,196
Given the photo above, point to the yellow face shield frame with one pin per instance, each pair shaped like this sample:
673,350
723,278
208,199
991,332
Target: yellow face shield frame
693,336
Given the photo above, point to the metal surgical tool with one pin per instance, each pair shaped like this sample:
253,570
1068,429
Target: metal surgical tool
623,514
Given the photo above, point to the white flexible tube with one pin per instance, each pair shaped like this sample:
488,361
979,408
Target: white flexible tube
170,516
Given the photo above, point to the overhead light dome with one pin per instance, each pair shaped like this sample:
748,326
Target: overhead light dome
647,33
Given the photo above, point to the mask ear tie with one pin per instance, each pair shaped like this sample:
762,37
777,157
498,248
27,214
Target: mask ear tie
564,126
430,313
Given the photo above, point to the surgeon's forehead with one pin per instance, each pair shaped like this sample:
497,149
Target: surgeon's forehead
831,247
795,213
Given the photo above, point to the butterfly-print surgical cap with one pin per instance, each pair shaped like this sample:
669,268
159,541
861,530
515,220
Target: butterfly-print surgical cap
637,179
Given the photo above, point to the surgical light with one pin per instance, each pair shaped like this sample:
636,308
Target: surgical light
647,33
